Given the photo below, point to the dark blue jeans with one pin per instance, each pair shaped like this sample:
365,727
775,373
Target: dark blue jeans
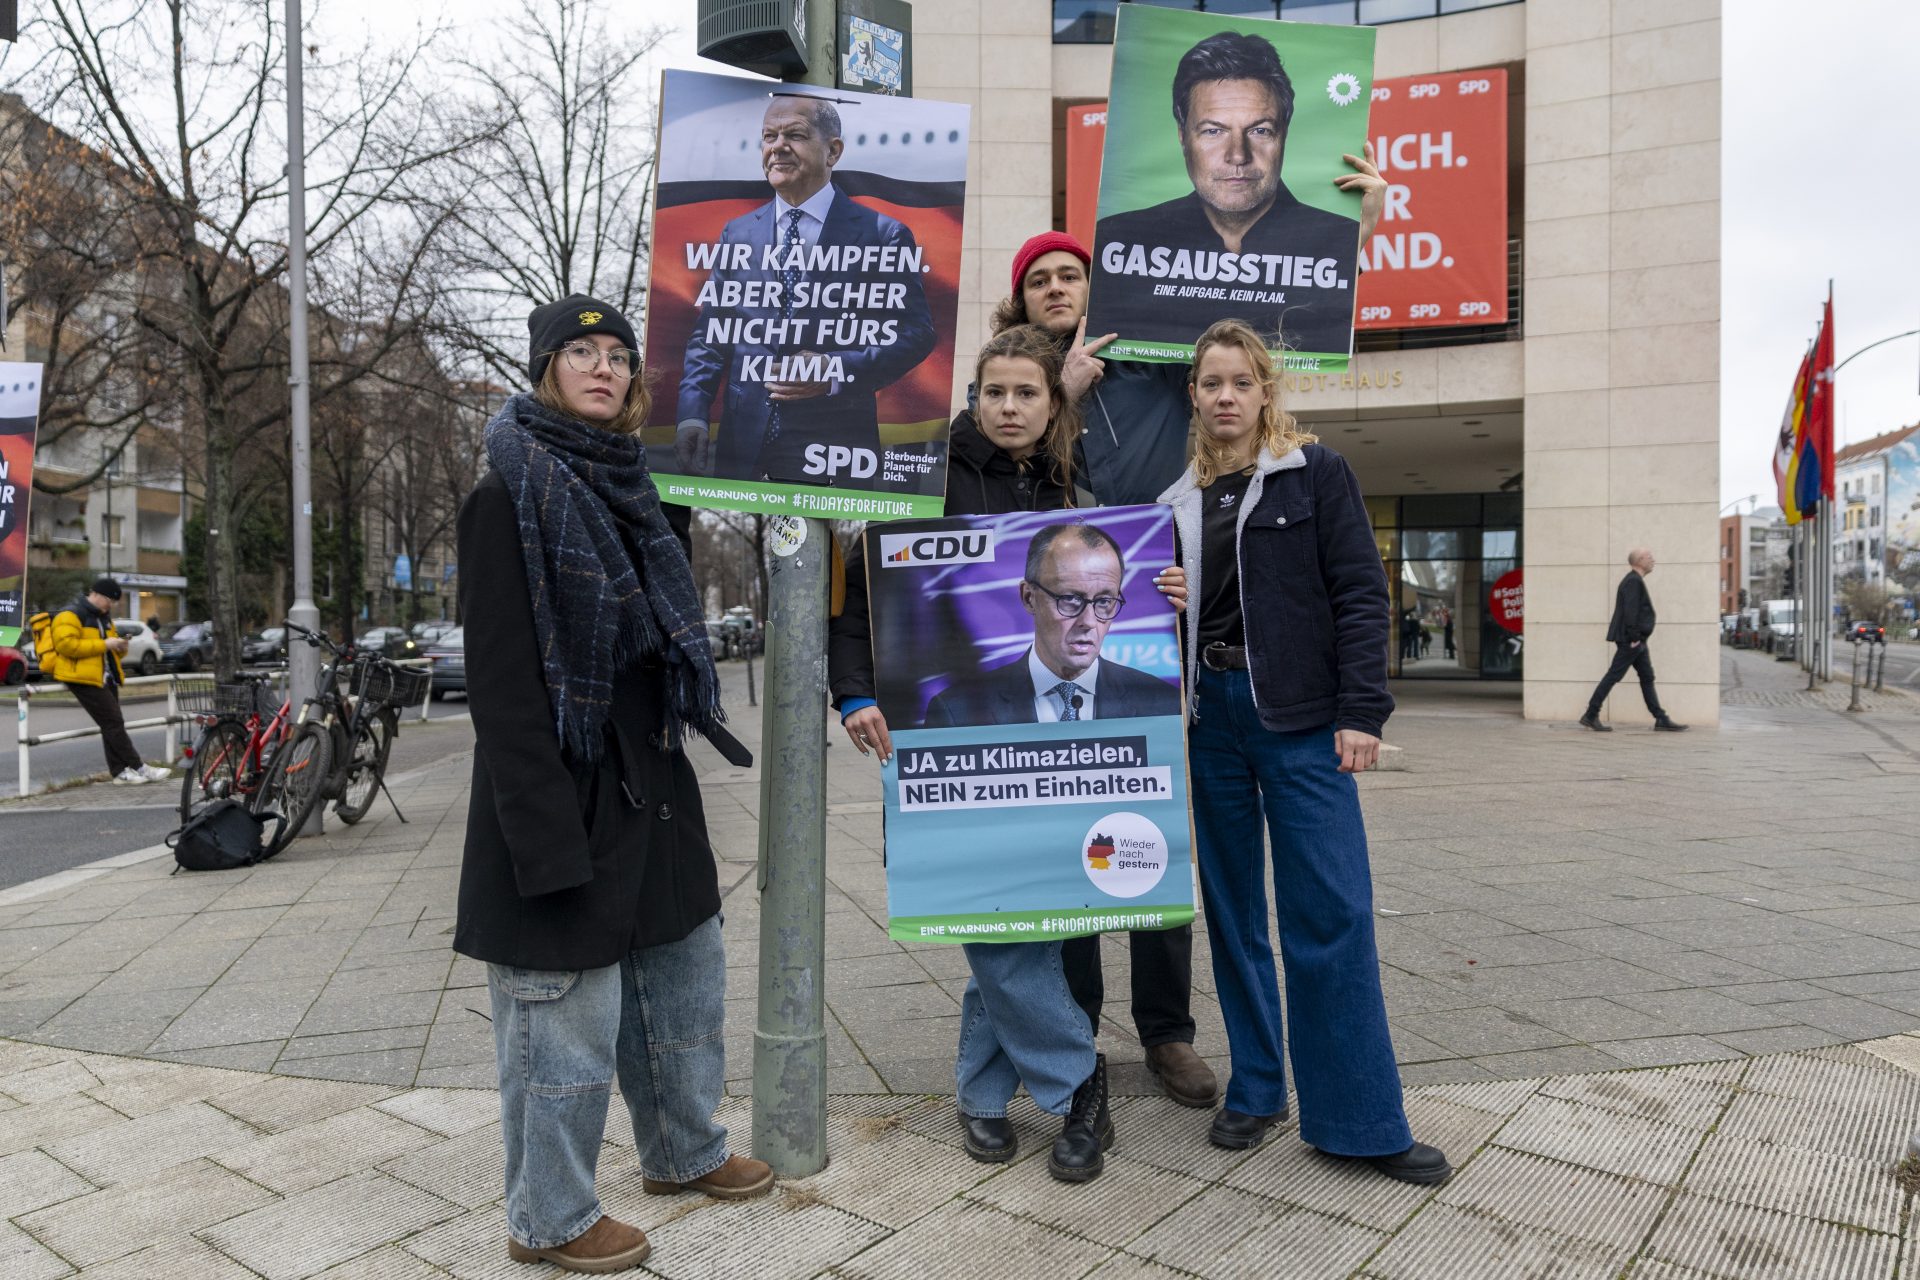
1336,1014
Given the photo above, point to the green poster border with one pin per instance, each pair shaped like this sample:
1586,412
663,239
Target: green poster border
766,497
1047,926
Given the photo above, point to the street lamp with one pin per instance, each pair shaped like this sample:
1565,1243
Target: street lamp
303,661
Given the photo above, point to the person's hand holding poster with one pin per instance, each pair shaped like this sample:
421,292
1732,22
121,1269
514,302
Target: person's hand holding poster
1044,792
1225,138
803,297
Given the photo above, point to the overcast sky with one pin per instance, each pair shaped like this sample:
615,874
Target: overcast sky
1820,178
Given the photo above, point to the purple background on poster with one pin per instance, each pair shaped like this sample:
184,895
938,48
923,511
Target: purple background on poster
935,624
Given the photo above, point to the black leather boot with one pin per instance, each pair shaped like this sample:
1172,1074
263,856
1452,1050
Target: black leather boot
1077,1152
1419,1164
1237,1131
989,1139
1591,720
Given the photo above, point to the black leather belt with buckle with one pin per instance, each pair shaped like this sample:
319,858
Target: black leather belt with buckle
1224,657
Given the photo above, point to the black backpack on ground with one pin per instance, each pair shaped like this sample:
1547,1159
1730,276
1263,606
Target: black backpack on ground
223,836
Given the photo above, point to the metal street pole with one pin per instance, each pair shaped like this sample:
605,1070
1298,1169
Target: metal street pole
303,661
789,1039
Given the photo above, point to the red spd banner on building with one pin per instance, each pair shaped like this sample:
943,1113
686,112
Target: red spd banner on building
1439,256
1086,136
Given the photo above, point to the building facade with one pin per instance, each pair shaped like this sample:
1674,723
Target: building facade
1867,483
128,525
1746,559
124,513
1540,451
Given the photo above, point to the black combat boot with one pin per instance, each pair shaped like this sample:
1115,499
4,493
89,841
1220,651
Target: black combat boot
1088,1132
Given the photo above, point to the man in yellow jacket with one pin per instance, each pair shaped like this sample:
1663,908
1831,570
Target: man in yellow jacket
86,658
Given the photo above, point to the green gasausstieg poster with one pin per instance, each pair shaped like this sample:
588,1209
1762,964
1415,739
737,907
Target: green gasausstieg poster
1217,196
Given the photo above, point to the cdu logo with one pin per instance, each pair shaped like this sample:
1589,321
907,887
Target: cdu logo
961,546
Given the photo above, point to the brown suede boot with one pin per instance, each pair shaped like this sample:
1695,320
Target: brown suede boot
738,1179
1187,1079
607,1245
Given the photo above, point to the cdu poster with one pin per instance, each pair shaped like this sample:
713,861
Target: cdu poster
19,419
803,299
1217,197
1030,671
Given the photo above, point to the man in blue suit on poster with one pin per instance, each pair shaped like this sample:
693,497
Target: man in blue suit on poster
1072,589
814,304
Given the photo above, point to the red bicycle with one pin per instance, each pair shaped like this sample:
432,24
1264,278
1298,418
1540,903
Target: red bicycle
234,754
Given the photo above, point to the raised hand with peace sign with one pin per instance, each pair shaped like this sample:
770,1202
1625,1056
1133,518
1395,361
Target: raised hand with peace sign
1083,368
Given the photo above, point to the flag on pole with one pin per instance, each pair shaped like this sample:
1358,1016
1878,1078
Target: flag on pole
1788,447
1816,437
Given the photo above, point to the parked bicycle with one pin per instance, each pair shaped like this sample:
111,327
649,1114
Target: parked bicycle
337,749
246,722
342,741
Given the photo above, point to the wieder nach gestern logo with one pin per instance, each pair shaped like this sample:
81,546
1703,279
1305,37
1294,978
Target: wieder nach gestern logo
955,546
1125,854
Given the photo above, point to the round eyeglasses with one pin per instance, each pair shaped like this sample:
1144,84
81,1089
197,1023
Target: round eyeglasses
584,357
1072,604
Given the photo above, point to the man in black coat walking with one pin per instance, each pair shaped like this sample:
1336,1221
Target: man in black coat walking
1629,631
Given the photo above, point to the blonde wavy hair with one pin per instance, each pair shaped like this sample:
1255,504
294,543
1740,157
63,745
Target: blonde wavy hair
1031,342
1276,432
632,416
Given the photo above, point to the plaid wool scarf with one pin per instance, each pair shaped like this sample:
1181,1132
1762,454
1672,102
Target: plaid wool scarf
610,583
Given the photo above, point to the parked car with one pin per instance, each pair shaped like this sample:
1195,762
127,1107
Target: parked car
143,647
13,666
392,641
739,635
426,632
448,654
1864,632
186,646
269,645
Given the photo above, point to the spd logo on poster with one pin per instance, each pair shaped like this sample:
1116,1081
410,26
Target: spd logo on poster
919,550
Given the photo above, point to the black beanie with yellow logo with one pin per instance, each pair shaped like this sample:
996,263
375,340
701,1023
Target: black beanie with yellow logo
554,324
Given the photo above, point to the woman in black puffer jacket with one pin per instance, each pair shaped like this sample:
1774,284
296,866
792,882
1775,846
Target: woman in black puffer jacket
1013,453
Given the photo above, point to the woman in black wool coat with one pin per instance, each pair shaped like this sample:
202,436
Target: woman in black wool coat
588,886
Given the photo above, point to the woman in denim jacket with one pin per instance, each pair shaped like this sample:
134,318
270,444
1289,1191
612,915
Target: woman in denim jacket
1286,631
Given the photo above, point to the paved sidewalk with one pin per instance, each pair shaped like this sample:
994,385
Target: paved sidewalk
1551,902
1773,1167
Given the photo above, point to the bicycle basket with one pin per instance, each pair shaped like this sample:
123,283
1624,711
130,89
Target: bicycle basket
249,697
379,685
194,697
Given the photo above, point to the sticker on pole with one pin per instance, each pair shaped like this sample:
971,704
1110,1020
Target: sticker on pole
787,534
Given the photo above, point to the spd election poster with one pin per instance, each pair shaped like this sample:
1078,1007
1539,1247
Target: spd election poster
803,298
19,421
1439,255
1086,134
1217,197
1030,672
